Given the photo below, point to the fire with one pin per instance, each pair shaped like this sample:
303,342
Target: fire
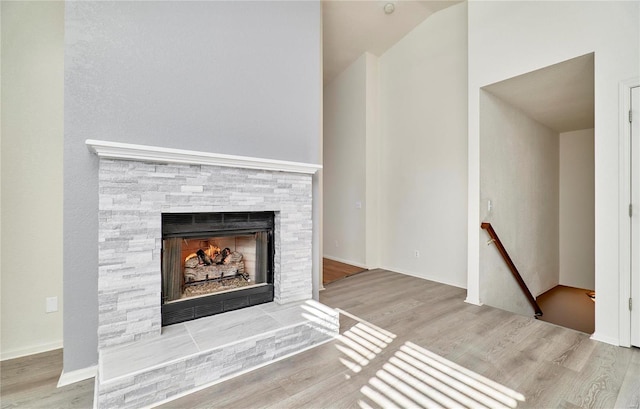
211,251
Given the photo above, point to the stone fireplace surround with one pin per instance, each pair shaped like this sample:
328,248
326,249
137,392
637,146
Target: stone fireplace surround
136,185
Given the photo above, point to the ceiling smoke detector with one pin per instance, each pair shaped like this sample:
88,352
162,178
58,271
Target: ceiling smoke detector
389,8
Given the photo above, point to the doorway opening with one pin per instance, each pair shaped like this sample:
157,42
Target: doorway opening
537,189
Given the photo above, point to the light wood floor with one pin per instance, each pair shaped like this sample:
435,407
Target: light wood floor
390,316
30,382
334,270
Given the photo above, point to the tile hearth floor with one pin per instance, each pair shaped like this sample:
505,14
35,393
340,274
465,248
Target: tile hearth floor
189,356
180,341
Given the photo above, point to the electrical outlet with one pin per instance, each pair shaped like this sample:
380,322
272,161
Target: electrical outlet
358,205
337,245
51,304
416,254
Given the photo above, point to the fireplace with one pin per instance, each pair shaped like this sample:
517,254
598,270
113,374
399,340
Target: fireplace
215,262
165,210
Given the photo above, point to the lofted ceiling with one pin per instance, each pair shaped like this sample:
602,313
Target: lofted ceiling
351,28
560,96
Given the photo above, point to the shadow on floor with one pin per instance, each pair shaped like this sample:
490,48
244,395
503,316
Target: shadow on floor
568,307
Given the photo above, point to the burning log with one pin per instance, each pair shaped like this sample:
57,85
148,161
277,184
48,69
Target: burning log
232,266
203,258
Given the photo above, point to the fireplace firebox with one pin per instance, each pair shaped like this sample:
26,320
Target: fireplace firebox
215,262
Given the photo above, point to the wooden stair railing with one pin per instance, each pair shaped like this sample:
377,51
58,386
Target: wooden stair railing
495,239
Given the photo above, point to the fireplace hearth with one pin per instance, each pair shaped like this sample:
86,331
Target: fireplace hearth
215,262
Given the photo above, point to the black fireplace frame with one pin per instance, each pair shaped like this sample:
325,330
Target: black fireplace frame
219,224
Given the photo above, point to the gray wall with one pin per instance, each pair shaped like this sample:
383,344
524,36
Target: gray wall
228,77
519,174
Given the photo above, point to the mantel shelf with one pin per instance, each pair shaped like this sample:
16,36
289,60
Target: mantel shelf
145,153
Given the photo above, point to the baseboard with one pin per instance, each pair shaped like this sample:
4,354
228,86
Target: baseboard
32,350
67,378
407,273
350,262
473,302
605,339
544,291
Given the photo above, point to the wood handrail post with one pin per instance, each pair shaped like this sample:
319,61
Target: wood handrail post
505,256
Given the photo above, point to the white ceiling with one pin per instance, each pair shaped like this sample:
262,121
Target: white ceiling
560,96
352,27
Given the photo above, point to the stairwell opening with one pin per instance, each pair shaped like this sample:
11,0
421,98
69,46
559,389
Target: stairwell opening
537,185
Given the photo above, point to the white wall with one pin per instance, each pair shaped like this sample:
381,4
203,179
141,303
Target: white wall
577,212
32,138
507,39
351,165
344,154
519,175
372,159
423,150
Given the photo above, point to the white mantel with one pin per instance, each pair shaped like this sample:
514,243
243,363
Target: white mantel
156,154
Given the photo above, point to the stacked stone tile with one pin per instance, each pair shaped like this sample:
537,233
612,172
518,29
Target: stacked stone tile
133,195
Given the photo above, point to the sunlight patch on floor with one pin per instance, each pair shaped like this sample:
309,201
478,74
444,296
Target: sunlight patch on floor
362,343
414,377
